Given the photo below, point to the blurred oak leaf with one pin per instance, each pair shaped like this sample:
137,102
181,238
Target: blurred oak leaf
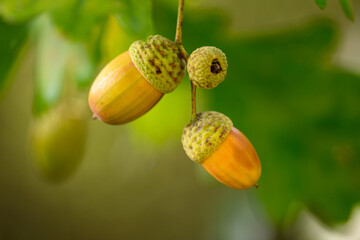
136,17
50,64
321,3
348,9
12,44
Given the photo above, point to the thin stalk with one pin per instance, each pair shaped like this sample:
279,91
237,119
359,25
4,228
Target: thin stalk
193,101
180,19
179,29
178,41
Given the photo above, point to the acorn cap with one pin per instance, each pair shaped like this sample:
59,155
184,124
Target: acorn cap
207,67
160,62
203,136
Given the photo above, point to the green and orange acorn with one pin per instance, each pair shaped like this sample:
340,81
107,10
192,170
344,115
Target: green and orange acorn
222,150
132,83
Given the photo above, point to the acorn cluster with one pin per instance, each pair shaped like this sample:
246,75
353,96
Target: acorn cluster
210,138
132,83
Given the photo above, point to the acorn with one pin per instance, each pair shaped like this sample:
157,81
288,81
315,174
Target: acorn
222,150
57,141
133,82
207,67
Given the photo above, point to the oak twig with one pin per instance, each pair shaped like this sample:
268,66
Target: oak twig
178,41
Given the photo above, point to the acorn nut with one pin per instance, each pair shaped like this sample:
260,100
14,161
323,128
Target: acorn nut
222,150
207,67
57,141
133,82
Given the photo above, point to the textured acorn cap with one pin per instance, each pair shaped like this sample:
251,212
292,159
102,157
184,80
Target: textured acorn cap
160,62
207,67
203,136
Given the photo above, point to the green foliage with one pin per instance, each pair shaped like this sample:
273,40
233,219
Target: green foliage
79,66
167,119
82,17
345,4
12,41
25,10
55,53
135,16
321,3
50,64
347,8
59,63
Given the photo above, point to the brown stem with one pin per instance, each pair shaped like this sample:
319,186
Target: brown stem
183,52
178,41
179,30
180,18
193,101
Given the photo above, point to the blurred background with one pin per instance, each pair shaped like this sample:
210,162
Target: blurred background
293,88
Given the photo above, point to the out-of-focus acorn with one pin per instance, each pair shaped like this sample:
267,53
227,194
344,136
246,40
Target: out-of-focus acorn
132,83
58,139
207,67
222,150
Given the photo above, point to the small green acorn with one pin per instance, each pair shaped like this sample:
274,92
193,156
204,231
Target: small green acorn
222,150
57,141
207,67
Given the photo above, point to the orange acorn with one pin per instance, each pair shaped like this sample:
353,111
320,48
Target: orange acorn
132,83
222,150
